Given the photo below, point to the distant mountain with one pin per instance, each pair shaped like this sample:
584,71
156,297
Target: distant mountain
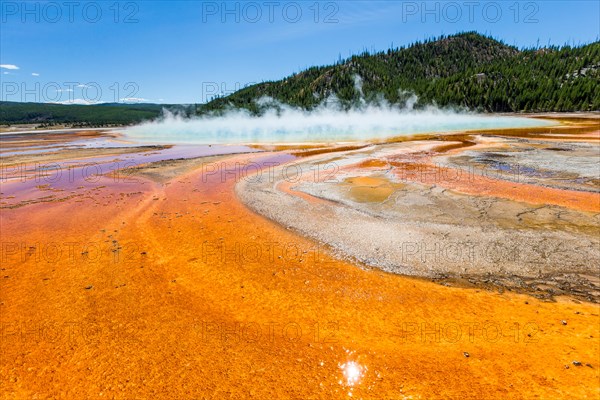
83,115
466,70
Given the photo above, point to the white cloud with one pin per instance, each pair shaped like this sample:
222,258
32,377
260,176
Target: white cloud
8,66
6,73
82,86
77,102
133,100
64,90
35,74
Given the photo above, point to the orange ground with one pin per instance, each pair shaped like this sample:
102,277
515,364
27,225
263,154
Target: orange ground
193,296
487,185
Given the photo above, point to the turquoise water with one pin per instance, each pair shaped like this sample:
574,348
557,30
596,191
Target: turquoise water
322,126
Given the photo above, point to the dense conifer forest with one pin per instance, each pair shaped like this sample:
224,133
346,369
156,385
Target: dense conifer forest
464,70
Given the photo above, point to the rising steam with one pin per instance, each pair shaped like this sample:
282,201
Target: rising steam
327,123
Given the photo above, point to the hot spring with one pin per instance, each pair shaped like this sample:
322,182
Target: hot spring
323,125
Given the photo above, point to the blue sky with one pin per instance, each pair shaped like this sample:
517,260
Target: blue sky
187,51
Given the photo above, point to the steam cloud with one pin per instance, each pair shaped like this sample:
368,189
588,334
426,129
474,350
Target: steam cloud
327,123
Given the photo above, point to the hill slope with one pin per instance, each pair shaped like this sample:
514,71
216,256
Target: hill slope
467,69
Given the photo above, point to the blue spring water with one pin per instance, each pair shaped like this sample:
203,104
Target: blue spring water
293,126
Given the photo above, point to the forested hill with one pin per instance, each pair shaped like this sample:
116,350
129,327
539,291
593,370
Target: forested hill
466,70
47,114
